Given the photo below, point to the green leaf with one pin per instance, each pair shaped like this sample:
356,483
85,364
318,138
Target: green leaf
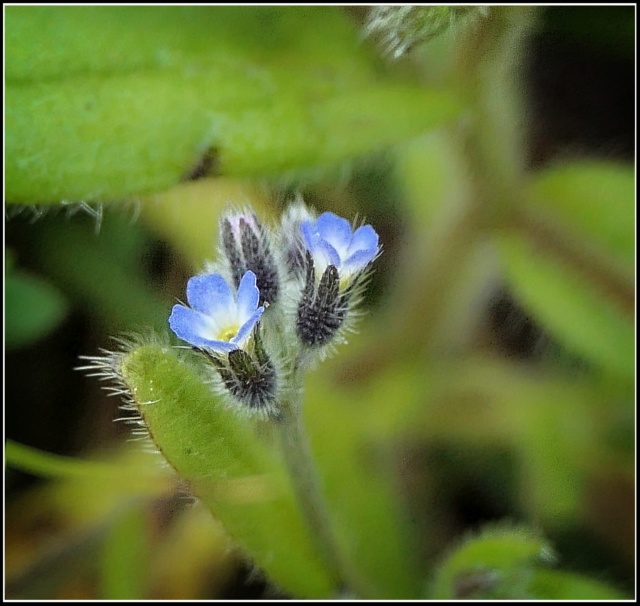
592,201
125,558
586,319
33,308
237,476
107,102
103,272
46,464
558,585
497,564
86,493
504,563
364,504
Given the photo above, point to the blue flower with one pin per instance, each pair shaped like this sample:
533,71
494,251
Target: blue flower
337,259
331,241
218,319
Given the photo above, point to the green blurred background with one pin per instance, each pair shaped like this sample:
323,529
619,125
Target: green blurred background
484,385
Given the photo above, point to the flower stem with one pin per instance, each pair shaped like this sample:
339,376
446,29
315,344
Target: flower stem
306,484
490,149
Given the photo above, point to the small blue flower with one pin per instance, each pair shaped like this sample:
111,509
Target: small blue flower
218,319
331,241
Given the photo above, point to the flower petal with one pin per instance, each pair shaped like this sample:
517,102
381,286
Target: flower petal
210,294
357,262
334,230
218,346
364,238
330,253
322,252
246,328
311,236
187,324
248,296
191,326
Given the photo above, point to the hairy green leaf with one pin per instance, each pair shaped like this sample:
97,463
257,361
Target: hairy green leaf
234,473
107,102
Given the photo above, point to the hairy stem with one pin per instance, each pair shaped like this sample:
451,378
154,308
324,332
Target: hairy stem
306,484
490,145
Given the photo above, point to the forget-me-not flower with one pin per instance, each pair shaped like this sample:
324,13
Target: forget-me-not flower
331,241
218,319
336,262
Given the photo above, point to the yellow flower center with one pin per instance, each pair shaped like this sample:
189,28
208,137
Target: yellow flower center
226,334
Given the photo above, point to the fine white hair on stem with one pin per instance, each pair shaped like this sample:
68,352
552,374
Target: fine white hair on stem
400,28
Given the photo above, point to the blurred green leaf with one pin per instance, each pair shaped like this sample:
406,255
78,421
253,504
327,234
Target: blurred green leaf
50,465
558,445
559,585
557,425
196,560
432,178
33,308
106,102
58,526
87,491
125,557
104,272
363,499
592,201
236,475
506,563
497,564
579,315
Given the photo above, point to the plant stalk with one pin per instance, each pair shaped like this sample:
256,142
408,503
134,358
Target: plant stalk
307,487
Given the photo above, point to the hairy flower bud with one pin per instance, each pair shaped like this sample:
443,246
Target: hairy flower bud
245,244
321,310
293,246
251,383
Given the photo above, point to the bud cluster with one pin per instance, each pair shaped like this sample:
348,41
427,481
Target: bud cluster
278,299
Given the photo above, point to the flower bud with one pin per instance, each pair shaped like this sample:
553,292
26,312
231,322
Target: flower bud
293,247
251,382
337,260
245,243
321,310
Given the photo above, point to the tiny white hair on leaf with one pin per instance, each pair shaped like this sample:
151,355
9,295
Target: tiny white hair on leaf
106,368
